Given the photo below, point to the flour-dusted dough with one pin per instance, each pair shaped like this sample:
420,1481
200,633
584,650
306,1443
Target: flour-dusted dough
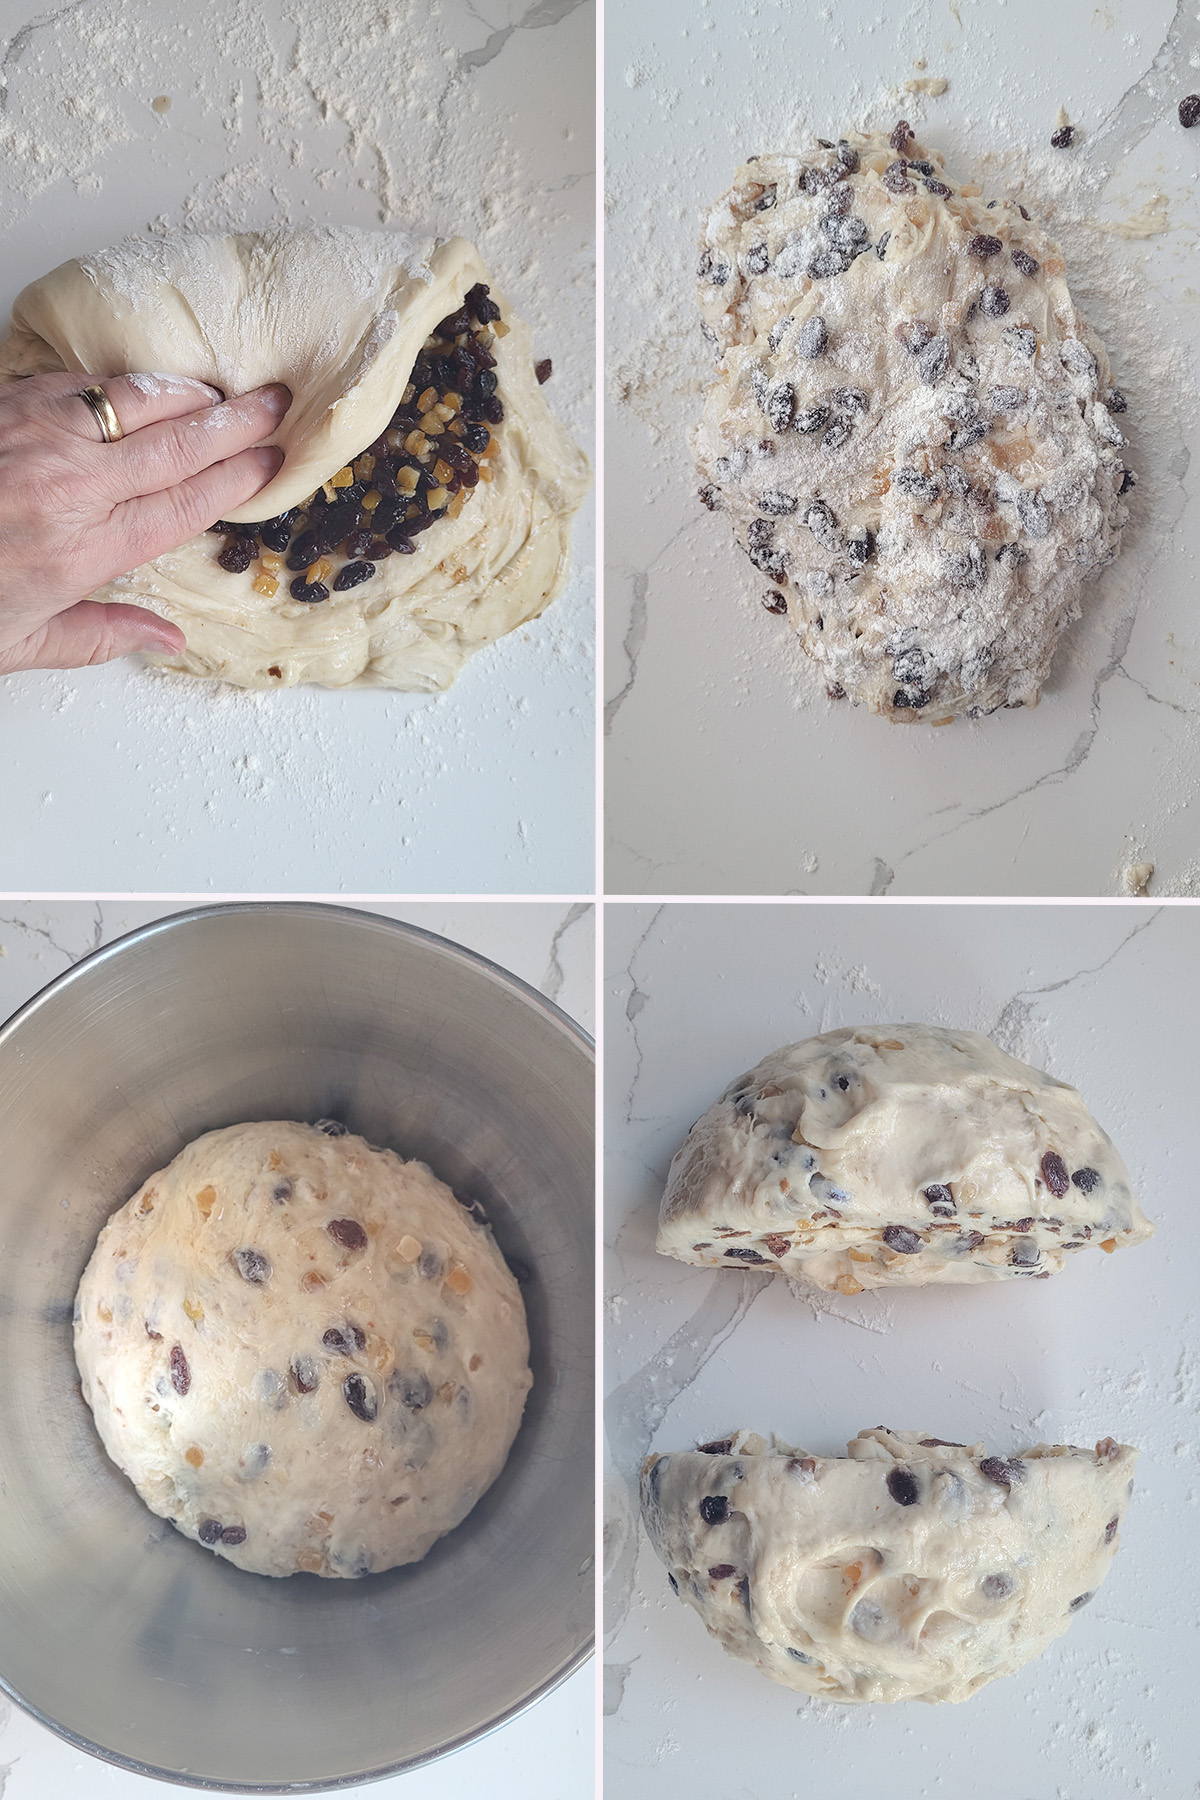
339,315
909,1569
911,427
302,1350
885,1154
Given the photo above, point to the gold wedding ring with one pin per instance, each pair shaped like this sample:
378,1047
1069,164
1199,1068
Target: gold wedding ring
102,406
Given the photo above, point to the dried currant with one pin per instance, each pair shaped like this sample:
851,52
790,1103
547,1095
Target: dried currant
901,1239
360,1397
903,1486
714,1508
347,1232
1054,1174
252,1266
181,1375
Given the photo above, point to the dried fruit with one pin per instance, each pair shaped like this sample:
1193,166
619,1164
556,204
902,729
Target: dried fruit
1086,1180
774,601
330,1127
997,1587
543,370
720,1571
344,1340
304,1374
812,339
941,1201
347,1232
901,1239
252,1266
994,300
1005,1472
181,1374
360,1397
903,1486
718,1447
982,245
1063,138
714,1508
1054,1174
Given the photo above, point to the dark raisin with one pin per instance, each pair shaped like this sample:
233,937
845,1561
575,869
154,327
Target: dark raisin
1128,480
351,575
330,1127
155,1335
774,601
919,486
775,504
810,419
750,1256
1063,138
252,1266
181,1375
860,551
718,1447
413,1390
1110,1530
1004,1471
994,301
903,1486
223,527
1024,263
901,699
237,555
430,1265
1189,111
714,1508
983,245
900,134
1081,1600
234,1534
781,401
360,1397
359,541
720,1571
812,340
837,434
282,1191
850,399
757,260
210,1531
933,359
941,1200
1054,1174
344,1340
347,1232
1086,1180
938,187
881,246
895,179
485,383
304,1374
1024,1253
901,1239
673,1582
1116,401
311,592
478,302
275,535
997,1587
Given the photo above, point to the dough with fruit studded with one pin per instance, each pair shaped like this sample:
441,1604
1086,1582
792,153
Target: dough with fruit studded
911,427
889,1155
302,1350
909,1569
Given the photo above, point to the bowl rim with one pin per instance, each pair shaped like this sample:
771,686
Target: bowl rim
530,996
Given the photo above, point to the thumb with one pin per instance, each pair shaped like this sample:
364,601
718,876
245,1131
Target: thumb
91,632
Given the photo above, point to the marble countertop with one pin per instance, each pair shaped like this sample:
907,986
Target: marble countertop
728,770
548,1752
1104,997
455,119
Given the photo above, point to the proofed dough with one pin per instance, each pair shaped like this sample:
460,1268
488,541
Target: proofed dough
909,1569
884,1154
339,315
911,428
302,1350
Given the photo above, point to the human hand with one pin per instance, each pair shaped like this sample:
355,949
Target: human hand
76,511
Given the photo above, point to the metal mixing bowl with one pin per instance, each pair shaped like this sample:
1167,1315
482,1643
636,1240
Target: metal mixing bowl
116,1631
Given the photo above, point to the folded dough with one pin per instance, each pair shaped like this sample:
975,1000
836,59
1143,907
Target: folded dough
909,1569
888,1154
339,315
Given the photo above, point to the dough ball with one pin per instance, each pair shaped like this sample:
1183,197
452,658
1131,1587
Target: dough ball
909,1569
896,1154
302,1350
433,521
911,427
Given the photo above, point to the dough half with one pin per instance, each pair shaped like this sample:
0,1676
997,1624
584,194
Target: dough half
302,1350
896,1154
909,1569
339,315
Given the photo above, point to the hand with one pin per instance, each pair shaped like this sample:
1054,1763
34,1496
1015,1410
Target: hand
75,511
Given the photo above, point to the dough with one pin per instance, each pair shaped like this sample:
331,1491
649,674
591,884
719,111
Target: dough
908,1569
301,1350
911,427
884,1154
340,316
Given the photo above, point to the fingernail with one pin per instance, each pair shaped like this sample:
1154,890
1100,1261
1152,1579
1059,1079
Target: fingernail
270,459
277,397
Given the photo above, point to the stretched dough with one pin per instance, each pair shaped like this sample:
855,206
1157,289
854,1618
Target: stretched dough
909,1569
884,1154
339,315
302,1350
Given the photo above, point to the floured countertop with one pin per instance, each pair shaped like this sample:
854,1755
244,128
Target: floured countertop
729,770
1100,996
118,118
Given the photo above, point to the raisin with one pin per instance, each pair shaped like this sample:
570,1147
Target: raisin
983,245
275,535
1110,1530
360,1397
1024,1253
810,419
901,1239
903,1486
1086,1180
252,1266
781,402
282,1191
1024,263
900,135
304,1374
997,1587
714,1508
774,601
359,541
933,359
237,555
330,1127
1081,1600
1004,1471
720,1571
994,301
776,504
914,702
938,187
881,246
913,482
895,179
234,1534
1063,138
941,1200
1054,1174
413,1390
750,1256
351,575
344,1340
210,1531
311,592
860,550
837,434
181,1375
1116,401
1189,111
1128,480
347,1232
718,1447
813,338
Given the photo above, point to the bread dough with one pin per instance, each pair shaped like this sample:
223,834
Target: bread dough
907,1570
339,315
302,1350
911,427
885,1154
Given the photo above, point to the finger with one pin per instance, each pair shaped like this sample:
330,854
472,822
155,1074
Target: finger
91,632
138,400
153,523
164,455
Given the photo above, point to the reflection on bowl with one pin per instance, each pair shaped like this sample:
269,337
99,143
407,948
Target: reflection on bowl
114,1629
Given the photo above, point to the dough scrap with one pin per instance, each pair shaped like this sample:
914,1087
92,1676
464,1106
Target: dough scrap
339,315
302,1350
909,1569
911,426
873,1156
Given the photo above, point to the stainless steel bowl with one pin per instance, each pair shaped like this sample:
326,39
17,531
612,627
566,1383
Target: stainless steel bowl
117,1632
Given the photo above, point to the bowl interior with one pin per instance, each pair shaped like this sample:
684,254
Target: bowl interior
113,1627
